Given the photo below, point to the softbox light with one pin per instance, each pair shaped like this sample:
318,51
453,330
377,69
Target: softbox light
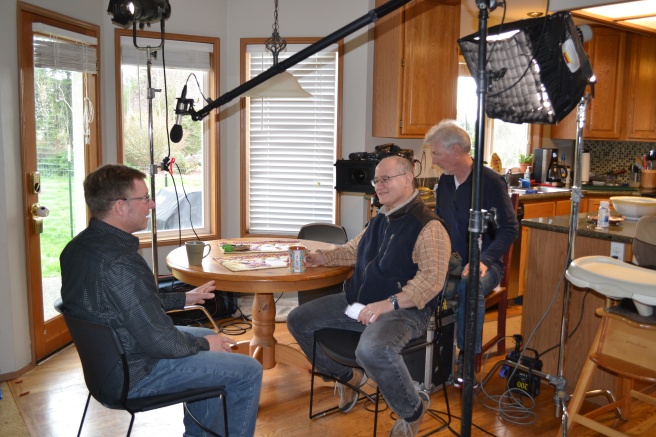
539,69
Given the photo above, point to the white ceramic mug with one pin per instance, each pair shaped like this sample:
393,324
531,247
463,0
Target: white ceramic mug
196,252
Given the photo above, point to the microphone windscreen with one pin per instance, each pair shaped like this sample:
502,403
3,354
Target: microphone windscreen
176,133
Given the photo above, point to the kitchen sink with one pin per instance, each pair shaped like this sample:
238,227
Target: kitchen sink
540,190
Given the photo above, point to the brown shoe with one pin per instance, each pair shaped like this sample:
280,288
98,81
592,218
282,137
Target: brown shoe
401,428
347,396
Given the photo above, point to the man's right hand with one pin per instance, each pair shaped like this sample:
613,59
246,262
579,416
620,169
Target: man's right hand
220,343
315,259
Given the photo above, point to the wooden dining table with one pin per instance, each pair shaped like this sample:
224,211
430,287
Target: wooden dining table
263,283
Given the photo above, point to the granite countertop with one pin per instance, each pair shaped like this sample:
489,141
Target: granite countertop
620,191
622,233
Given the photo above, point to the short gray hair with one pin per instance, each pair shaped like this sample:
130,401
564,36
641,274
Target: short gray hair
403,165
449,135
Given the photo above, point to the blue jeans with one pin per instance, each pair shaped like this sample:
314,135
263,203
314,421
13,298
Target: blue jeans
378,351
486,284
240,374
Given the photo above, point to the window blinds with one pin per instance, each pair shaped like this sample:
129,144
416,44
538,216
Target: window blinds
178,54
61,49
292,147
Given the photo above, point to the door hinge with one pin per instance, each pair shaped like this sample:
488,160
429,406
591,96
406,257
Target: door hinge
402,62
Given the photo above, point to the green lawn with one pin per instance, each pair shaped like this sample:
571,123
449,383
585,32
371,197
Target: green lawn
58,229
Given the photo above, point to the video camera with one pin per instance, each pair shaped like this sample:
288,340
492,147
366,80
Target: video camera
354,175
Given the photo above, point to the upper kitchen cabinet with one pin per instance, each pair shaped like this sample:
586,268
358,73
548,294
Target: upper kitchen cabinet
641,104
415,68
606,51
624,105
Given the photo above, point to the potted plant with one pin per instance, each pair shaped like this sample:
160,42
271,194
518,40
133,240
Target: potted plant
525,161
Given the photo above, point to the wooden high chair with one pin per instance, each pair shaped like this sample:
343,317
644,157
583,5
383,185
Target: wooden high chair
625,345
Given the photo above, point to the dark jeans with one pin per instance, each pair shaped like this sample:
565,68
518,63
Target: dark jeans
486,284
378,352
240,374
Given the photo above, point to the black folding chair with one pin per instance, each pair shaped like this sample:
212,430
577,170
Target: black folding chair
101,351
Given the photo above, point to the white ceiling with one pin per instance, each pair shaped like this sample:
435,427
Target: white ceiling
517,9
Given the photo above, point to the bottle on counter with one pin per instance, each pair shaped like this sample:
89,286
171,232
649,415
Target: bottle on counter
527,174
603,214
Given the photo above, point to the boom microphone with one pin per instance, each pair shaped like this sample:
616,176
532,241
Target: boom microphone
180,109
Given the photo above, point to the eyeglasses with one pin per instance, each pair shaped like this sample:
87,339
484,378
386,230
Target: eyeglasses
384,180
144,199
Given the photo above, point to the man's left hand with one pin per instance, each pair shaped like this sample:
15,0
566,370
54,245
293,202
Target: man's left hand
482,269
371,312
199,294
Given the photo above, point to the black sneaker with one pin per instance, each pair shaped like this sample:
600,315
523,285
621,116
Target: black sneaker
458,380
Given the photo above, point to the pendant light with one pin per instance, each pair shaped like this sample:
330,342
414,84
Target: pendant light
283,84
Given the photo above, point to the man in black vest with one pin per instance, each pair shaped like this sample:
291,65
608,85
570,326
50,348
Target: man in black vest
401,262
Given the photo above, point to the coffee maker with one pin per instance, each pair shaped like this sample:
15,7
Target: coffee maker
545,166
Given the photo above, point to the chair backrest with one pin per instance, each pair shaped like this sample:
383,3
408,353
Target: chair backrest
644,242
101,352
324,232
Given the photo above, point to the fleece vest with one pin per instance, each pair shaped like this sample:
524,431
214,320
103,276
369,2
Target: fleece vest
384,262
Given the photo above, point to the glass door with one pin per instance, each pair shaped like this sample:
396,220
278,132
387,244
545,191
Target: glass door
59,142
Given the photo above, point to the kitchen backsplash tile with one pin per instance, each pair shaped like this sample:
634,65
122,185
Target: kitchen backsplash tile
607,156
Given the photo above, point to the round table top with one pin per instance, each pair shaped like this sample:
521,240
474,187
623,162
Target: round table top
274,280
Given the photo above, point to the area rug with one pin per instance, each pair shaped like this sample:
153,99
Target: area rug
11,420
283,306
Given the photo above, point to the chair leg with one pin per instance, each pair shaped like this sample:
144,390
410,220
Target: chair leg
131,423
86,407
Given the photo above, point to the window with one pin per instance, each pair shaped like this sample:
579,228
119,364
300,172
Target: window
507,140
187,202
290,145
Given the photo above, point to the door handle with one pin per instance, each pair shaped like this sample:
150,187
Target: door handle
39,212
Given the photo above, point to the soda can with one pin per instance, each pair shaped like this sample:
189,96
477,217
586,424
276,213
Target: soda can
297,259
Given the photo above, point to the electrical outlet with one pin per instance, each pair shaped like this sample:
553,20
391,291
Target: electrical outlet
617,250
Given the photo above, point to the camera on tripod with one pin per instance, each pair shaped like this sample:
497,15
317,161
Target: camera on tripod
354,175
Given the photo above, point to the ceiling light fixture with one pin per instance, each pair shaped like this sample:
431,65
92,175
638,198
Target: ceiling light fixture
535,14
283,84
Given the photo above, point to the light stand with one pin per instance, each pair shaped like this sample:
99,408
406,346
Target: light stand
476,225
153,168
538,71
559,381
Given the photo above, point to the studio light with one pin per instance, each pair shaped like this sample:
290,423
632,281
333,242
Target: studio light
283,84
126,12
538,68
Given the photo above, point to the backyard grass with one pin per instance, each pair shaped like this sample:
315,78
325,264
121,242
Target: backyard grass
58,227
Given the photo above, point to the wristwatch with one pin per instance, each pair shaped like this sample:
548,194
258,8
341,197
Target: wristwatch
394,301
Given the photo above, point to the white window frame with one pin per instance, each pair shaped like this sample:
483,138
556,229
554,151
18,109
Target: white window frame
181,52
467,104
284,188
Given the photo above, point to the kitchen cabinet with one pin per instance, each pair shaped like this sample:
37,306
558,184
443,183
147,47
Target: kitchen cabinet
606,51
641,104
564,207
624,105
531,210
415,68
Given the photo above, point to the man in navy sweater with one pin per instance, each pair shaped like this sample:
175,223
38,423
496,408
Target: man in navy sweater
450,148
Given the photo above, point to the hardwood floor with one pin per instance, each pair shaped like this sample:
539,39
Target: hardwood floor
51,399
